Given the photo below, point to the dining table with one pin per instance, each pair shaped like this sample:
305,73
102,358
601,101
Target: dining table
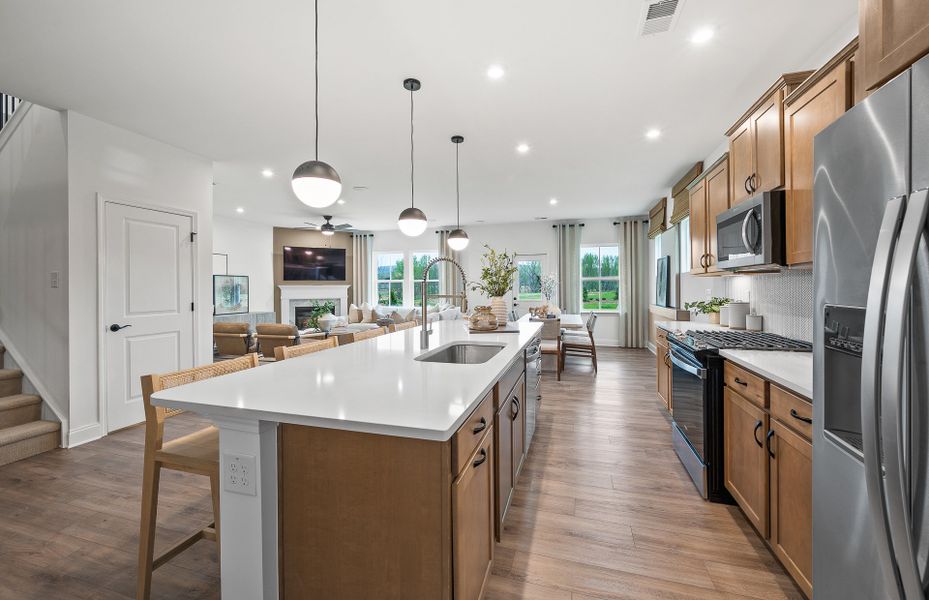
568,321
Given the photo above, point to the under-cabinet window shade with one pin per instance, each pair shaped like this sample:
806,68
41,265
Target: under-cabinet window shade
657,219
681,197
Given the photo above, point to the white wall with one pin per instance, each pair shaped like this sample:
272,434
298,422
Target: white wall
250,247
122,165
33,244
523,238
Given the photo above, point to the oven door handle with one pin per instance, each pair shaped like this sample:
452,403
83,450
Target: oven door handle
688,368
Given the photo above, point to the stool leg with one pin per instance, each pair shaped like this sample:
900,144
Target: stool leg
150,479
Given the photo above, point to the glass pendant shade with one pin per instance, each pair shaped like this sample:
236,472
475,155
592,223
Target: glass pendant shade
412,222
458,240
327,229
316,184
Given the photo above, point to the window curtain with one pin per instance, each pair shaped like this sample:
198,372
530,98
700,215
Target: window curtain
449,277
569,267
633,260
362,265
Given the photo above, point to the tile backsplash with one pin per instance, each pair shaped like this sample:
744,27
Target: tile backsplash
785,299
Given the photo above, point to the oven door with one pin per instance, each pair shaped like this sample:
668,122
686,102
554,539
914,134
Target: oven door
688,383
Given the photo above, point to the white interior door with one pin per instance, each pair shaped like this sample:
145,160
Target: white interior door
148,310
527,284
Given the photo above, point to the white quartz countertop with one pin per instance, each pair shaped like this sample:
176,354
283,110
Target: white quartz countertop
372,386
792,371
674,326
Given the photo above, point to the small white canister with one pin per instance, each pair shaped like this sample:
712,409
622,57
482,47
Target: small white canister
754,322
737,313
724,316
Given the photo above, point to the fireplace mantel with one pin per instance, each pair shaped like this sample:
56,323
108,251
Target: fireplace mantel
294,295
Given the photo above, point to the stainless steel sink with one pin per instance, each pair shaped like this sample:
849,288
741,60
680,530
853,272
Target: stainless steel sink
462,353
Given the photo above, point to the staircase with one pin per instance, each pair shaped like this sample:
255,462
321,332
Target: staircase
23,433
8,105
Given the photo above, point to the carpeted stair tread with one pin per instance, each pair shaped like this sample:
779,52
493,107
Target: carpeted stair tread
18,401
10,374
18,433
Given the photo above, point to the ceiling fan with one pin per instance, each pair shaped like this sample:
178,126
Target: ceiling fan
328,228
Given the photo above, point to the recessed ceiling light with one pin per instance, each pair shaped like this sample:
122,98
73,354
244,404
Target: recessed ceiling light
553,201
308,252
240,210
267,172
702,35
653,134
541,218
522,148
341,201
495,72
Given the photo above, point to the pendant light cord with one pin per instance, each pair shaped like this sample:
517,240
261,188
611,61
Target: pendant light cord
412,182
457,190
316,71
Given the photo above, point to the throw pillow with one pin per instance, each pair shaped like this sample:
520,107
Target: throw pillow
354,314
397,317
452,314
367,313
380,313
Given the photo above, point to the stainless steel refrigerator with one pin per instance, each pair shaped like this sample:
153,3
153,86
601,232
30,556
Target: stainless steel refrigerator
871,329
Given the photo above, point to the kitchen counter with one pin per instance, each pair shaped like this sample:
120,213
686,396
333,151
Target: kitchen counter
372,386
676,326
792,371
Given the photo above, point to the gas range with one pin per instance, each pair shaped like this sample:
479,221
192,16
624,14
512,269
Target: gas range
711,340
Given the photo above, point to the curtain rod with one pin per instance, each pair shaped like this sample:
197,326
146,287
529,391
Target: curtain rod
627,219
560,224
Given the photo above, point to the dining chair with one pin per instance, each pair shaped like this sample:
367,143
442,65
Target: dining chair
551,342
401,326
196,453
581,343
285,352
272,335
370,333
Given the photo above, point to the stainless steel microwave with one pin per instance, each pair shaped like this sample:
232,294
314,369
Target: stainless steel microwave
750,235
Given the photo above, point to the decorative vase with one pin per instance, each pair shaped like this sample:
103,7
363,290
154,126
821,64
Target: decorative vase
714,318
498,308
482,319
327,321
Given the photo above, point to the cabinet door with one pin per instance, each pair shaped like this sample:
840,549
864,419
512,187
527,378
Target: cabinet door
768,138
473,523
503,463
518,415
664,374
894,33
803,119
717,201
746,459
741,162
792,503
698,227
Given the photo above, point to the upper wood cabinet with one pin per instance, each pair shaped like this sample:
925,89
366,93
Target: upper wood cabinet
709,197
894,34
819,101
756,142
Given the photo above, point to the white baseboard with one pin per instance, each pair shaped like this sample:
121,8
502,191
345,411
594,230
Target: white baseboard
84,434
651,347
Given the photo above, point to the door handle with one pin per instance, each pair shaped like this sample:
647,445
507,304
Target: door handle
870,380
481,427
479,461
767,441
799,417
758,425
892,410
114,327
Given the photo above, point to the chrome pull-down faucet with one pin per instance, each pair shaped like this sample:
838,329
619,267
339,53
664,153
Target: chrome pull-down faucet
463,296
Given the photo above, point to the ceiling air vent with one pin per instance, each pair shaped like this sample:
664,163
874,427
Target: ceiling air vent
660,16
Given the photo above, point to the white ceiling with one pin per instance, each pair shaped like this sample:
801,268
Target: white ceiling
233,81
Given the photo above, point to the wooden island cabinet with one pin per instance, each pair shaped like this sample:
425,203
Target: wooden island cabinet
768,460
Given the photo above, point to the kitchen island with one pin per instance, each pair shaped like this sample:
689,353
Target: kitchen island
358,469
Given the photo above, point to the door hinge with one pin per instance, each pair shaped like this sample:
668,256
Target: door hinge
191,306
193,237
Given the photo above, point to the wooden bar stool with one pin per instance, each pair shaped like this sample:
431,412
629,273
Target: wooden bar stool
370,333
285,352
402,326
551,342
196,453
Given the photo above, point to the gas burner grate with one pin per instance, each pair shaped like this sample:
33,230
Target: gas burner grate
748,340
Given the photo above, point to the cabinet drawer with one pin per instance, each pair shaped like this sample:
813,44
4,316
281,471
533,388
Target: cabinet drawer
792,410
751,387
470,434
510,377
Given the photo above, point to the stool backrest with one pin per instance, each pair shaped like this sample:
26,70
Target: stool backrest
285,352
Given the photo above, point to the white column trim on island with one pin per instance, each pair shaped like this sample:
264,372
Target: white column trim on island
248,528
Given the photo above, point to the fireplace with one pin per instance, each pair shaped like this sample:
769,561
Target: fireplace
305,316
307,298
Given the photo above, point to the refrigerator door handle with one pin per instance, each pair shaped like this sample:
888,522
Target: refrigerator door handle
870,382
892,407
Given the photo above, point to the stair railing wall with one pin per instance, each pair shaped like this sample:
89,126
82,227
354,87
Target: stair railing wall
8,105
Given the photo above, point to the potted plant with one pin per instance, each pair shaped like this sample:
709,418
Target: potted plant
497,271
710,307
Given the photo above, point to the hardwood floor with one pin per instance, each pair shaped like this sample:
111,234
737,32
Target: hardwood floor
603,510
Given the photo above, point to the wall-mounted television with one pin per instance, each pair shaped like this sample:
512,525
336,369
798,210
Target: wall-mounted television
314,264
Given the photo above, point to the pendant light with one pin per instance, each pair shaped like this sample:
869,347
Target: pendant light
457,239
316,183
412,221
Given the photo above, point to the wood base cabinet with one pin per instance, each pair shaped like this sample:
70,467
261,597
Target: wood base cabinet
663,360
510,427
791,464
746,461
473,522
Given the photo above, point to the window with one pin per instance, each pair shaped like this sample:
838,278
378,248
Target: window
529,279
600,277
420,260
389,278
683,245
